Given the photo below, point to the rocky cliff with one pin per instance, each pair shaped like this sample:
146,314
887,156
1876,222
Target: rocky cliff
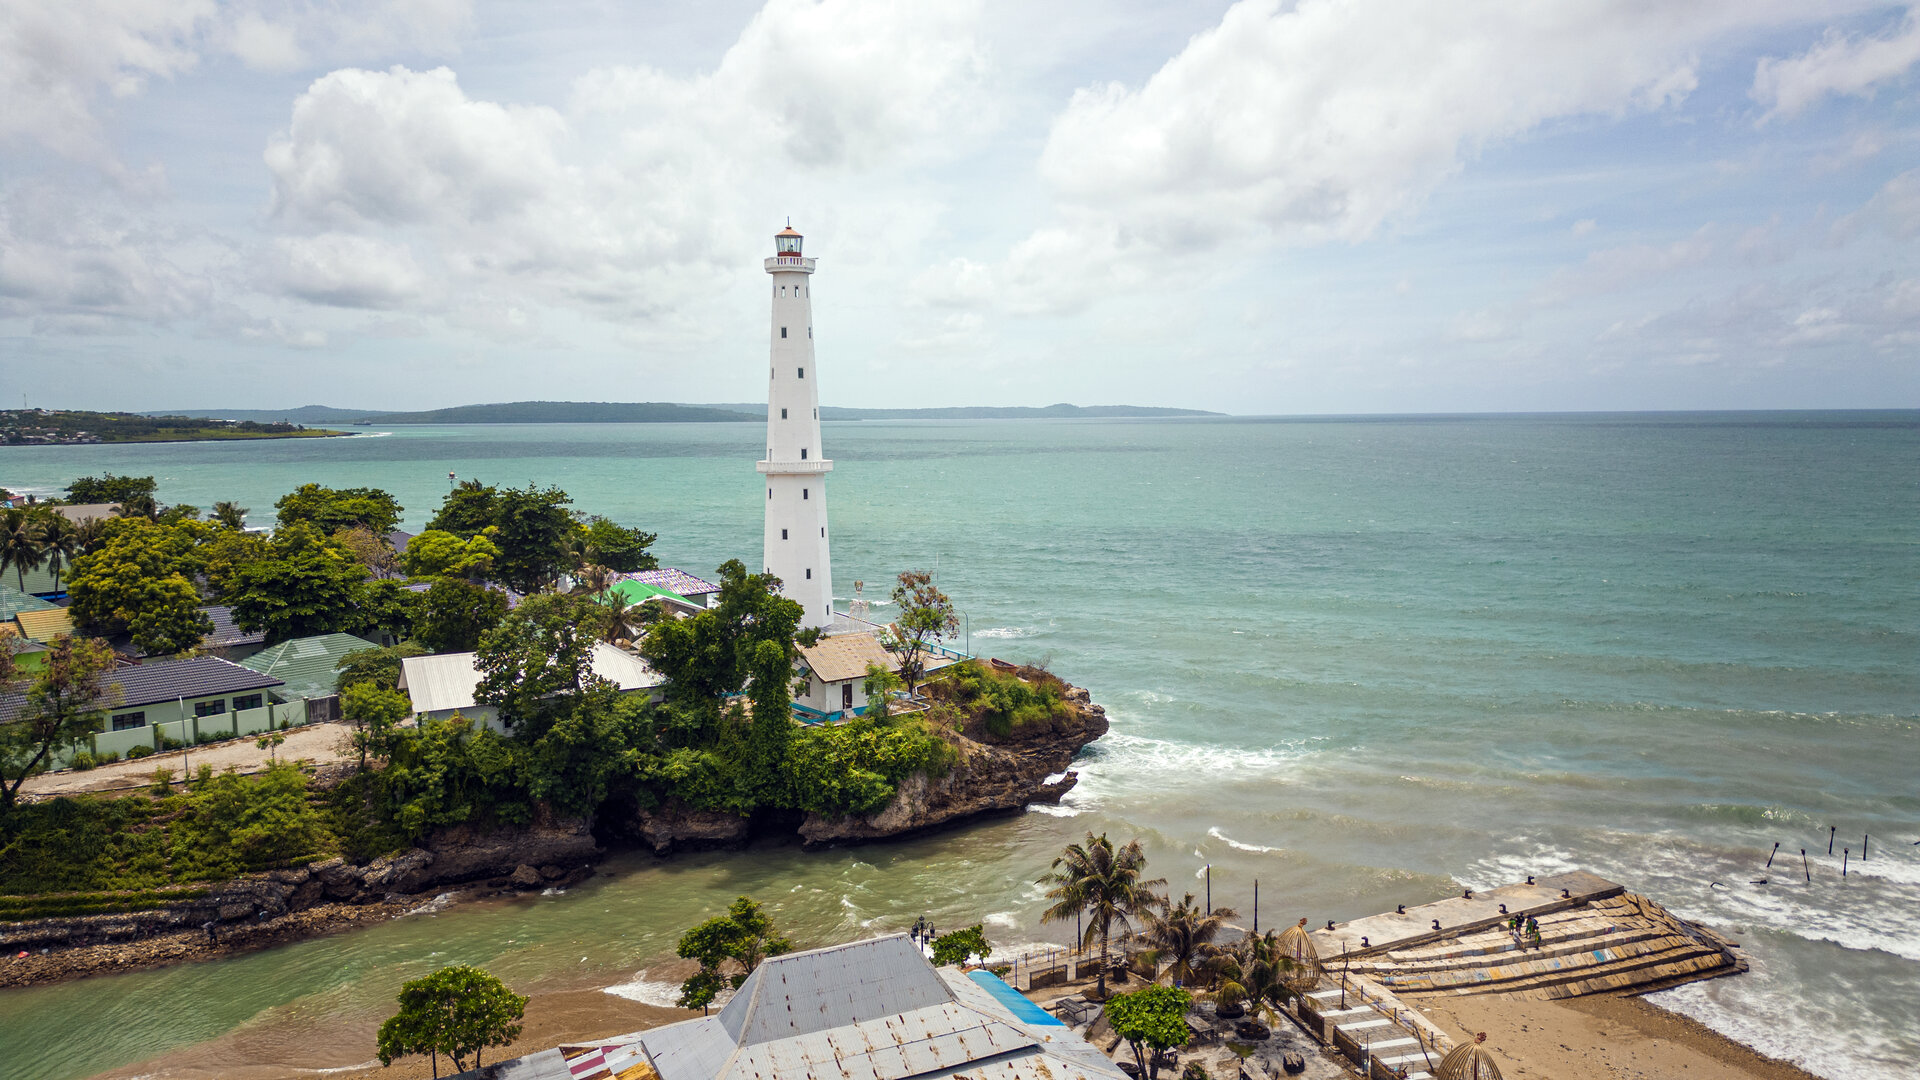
1001,775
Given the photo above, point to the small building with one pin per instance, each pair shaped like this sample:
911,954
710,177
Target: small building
44,625
181,700
442,685
679,583
13,602
307,669
871,1010
228,641
28,656
836,671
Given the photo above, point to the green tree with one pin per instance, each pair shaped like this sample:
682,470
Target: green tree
468,510
66,701
167,618
109,488
388,608
535,536
332,509
618,548
455,613
141,507
20,548
1104,884
230,514
744,935
137,565
926,616
223,551
374,712
1183,937
60,542
457,1011
1155,1018
956,947
538,659
372,549
1258,970
376,666
712,654
304,587
436,553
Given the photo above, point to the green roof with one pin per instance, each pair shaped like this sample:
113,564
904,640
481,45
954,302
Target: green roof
636,592
308,665
13,602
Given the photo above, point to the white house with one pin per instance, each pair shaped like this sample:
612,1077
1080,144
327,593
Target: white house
443,684
836,671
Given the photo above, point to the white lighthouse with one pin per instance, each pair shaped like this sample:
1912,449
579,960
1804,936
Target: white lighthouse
796,472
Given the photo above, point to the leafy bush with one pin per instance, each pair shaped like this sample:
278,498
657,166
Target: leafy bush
107,758
138,752
81,762
1001,701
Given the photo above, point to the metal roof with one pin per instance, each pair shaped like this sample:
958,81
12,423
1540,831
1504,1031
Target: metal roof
846,656
13,602
168,680
225,633
447,680
310,665
677,581
639,592
871,1010
45,625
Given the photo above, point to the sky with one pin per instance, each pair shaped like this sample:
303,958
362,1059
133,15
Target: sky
1263,207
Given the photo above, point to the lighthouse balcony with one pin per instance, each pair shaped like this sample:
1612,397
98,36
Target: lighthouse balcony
794,468
785,263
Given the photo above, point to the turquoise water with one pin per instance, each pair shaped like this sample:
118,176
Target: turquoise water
1364,661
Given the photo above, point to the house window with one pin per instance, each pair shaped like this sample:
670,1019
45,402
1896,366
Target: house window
783,414
783,331
783,534
242,704
209,708
128,721
803,453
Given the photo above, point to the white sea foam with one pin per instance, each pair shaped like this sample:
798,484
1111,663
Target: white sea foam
650,992
1008,632
1053,810
1257,849
438,903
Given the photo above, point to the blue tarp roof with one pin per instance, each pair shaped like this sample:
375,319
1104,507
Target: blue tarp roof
1016,1002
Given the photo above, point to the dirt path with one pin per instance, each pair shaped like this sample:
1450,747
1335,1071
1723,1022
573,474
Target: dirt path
322,744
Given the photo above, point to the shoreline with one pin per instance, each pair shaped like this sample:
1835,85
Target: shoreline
1601,1037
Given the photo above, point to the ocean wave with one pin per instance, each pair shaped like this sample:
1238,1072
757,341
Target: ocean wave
1257,849
1008,632
1054,810
650,992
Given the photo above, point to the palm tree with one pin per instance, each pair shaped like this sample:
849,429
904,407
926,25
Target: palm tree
1184,935
59,543
230,514
140,506
619,615
91,534
20,544
592,579
1256,970
1104,884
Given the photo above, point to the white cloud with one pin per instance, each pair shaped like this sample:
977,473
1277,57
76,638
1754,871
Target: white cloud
1841,64
82,269
344,270
58,57
632,202
1893,211
1325,119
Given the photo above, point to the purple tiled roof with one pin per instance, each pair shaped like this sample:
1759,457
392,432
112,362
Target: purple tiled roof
672,580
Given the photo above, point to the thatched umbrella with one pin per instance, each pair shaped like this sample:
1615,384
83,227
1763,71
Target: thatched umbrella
1296,946
1468,1062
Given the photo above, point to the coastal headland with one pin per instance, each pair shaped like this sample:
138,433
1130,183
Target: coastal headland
992,774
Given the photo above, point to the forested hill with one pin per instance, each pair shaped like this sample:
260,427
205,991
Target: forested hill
643,412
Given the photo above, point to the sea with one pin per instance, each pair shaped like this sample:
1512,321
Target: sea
1359,661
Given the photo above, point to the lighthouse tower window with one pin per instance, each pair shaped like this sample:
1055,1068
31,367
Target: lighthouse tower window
803,453
783,331
783,534
803,373
783,414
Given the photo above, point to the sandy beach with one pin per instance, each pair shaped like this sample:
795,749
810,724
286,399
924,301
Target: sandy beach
1600,1038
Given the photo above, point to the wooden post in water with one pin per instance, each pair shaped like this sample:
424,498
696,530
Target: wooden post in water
1832,831
1776,851
1844,852
1804,867
1864,837
1256,905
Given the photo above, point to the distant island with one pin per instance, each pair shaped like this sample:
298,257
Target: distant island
655,412
59,427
